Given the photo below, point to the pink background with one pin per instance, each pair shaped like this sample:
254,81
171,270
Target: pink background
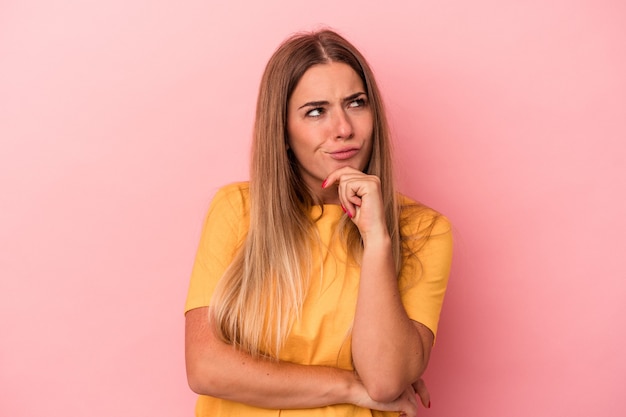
120,118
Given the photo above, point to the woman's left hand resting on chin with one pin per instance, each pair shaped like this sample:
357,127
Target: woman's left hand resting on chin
360,196
390,351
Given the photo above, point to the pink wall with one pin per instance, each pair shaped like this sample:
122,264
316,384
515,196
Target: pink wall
119,119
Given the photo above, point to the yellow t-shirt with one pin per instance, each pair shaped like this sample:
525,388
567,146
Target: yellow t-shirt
322,335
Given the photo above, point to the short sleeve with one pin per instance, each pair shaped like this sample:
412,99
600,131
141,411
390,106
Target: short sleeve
224,230
426,266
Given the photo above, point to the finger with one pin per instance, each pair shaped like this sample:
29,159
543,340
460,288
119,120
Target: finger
422,392
335,176
345,202
411,410
349,190
349,198
412,399
413,395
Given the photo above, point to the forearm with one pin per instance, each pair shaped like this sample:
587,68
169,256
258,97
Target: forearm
388,350
217,369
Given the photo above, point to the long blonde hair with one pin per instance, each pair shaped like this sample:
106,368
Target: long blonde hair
261,293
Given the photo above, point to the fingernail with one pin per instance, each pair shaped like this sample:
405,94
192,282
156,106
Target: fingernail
349,214
344,209
324,183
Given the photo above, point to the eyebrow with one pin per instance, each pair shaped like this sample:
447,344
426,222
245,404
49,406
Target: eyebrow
324,102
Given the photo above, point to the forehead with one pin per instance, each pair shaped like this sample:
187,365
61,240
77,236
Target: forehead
334,80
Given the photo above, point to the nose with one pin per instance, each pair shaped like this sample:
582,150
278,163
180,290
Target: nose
343,125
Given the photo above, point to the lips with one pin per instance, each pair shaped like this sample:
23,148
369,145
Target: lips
343,154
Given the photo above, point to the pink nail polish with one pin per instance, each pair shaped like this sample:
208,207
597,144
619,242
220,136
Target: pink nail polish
344,209
324,183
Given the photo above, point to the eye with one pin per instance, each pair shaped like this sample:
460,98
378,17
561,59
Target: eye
359,102
316,112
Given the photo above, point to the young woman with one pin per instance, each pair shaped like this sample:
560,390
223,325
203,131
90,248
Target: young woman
317,288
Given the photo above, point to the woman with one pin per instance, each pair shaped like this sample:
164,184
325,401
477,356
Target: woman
316,289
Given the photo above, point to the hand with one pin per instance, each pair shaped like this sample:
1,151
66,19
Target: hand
360,196
420,389
406,404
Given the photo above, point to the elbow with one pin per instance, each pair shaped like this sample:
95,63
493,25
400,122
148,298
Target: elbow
196,384
194,380
385,392
202,381
390,388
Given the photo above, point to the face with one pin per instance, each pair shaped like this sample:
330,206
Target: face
329,122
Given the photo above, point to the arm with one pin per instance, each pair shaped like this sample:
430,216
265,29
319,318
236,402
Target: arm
217,369
390,351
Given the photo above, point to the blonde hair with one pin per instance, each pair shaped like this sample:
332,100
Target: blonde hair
261,293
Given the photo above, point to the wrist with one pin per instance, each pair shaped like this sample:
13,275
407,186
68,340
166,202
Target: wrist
379,240
353,388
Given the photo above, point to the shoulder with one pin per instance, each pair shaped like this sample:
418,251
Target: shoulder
230,205
233,195
234,190
419,219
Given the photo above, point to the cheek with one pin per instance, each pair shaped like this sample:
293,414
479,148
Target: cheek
299,138
289,134
365,125
293,133
295,145
370,124
370,143
368,132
